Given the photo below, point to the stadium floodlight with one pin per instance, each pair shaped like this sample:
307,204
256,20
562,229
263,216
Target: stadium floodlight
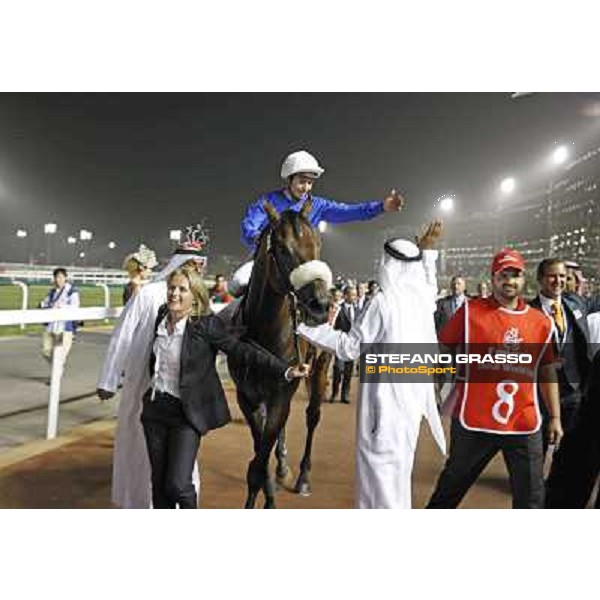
560,155
71,240
322,226
446,204
21,233
50,228
112,245
508,185
82,255
175,235
85,235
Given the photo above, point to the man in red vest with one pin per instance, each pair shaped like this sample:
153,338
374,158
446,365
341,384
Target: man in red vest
496,404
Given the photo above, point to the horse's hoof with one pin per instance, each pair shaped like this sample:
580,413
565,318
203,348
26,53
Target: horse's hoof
303,489
286,480
269,505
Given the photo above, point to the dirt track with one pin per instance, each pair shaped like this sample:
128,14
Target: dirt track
77,474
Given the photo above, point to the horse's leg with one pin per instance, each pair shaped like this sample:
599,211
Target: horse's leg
313,415
254,418
258,472
283,471
277,415
255,422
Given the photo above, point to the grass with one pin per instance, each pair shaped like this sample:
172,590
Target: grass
10,299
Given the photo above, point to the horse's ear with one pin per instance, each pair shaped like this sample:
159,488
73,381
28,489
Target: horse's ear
307,208
271,212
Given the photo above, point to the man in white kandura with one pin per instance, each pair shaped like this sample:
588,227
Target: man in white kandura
389,414
129,353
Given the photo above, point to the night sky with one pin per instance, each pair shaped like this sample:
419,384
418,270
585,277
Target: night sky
130,167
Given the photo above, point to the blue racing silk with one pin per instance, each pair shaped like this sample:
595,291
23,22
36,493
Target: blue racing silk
323,209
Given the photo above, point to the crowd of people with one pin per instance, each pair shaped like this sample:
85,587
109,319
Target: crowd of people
164,347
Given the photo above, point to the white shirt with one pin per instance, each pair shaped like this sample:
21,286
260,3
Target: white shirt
457,302
167,349
350,309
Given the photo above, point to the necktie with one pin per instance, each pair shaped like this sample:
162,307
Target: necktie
558,316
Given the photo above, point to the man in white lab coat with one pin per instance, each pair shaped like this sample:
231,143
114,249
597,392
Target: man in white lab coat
129,353
389,414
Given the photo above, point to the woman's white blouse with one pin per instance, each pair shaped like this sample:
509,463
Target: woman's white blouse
167,349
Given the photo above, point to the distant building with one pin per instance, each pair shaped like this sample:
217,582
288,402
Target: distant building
574,213
561,219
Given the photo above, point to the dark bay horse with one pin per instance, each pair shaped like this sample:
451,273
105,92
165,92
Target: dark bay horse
288,281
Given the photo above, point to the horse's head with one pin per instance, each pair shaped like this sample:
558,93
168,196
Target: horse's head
293,248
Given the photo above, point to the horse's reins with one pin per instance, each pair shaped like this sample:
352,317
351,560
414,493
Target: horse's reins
289,291
294,302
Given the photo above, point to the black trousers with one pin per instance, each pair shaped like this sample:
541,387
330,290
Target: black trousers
575,470
172,447
573,463
576,465
471,452
342,373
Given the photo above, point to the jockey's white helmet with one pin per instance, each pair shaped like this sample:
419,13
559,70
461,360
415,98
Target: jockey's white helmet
301,162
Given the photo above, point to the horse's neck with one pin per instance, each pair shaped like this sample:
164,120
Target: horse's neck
267,315
266,312
269,320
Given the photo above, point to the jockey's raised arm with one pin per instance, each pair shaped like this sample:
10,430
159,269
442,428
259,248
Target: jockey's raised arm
299,170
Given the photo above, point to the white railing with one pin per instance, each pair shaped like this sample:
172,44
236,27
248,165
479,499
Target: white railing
49,315
80,274
24,296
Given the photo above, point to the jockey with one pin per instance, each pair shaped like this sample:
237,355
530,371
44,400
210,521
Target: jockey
299,171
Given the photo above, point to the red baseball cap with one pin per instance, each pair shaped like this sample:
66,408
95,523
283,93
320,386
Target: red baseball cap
507,258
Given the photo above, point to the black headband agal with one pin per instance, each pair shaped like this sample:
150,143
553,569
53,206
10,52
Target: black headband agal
389,249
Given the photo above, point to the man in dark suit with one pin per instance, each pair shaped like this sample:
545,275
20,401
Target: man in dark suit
342,370
447,306
445,309
362,296
571,344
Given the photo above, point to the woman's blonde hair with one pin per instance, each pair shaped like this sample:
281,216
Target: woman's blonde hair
201,305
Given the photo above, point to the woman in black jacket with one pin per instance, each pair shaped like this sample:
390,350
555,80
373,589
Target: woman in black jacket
186,399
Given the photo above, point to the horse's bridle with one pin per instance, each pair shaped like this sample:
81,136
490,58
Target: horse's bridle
283,269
